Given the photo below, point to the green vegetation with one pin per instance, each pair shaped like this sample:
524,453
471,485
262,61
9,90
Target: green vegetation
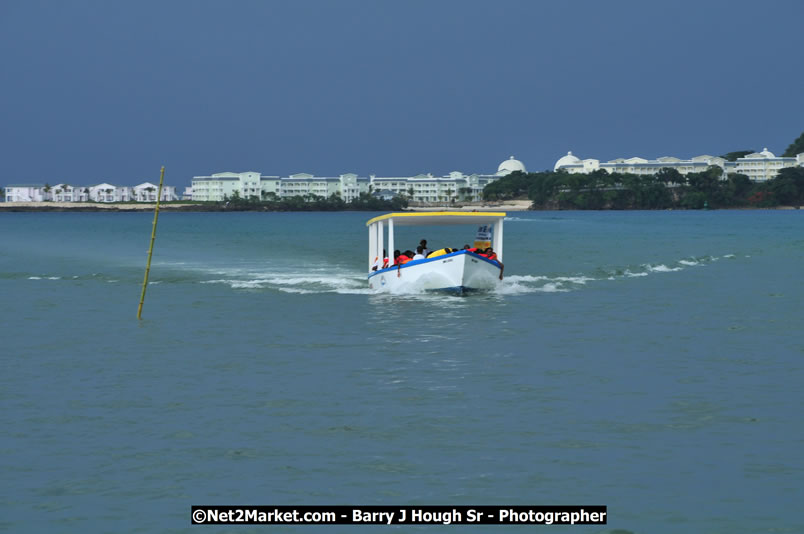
270,202
796,148
733,156
664,190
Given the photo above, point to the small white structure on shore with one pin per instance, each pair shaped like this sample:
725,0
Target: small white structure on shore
26,193
146,192
107,192
104,192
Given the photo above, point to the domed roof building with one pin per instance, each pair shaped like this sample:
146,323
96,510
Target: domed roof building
566,161
510,165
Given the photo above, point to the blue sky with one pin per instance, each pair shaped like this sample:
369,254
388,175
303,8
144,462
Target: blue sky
110,91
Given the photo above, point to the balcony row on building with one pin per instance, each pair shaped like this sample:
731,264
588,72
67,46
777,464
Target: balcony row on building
144,192
420,188
758,166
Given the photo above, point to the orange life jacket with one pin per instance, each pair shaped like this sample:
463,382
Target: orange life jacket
402,259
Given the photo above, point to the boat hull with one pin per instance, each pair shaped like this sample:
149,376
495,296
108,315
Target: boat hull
458,272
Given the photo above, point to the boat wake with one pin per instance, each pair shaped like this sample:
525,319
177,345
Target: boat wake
318,279
521,284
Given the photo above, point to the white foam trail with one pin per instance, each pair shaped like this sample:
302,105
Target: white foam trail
364,291
661,268
514,288
575,279
525,278
336,279
552,288
297,290
633,275
34,278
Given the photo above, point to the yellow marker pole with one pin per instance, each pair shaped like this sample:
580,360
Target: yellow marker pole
151,248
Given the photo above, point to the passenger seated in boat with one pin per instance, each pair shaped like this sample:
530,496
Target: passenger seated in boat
419,253
404,257
441,252
402,260
490,254
425,250
470,249
376,264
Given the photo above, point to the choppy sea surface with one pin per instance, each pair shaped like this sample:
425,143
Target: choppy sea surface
652,362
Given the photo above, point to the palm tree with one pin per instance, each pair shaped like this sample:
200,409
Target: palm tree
46,190
449,195
108,192
150,190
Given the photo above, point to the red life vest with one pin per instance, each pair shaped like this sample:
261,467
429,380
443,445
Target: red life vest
492,256
402,259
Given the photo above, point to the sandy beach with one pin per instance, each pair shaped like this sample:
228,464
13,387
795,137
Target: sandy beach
511,205
87,206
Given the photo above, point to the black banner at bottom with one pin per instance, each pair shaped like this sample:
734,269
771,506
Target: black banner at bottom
398,515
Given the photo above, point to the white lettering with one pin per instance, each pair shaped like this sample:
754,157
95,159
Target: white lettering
359,516
473,515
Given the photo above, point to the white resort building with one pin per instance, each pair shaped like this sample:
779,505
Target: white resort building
758,166
420,188
105,192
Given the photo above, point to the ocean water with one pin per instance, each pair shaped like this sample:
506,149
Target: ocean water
647,361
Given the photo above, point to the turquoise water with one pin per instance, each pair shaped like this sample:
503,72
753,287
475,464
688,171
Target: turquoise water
650,362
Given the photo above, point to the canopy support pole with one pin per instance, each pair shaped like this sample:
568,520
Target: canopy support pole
391,242
372,249
380,241
498,239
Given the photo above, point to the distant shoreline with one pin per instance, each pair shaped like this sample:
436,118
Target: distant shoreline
510,205
514,205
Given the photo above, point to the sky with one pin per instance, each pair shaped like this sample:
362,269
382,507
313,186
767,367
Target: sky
94,91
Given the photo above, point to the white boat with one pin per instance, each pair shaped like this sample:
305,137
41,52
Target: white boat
459,271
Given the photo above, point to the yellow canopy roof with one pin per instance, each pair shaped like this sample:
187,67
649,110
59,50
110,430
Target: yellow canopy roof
438,218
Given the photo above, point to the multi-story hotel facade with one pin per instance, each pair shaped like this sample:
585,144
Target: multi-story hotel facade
758,166
420,188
